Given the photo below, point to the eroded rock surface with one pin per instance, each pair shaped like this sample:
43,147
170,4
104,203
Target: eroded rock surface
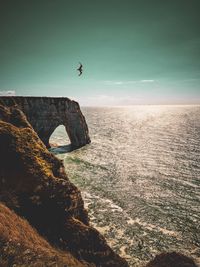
34,184
45,114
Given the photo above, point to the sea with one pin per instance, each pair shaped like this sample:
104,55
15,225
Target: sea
139,177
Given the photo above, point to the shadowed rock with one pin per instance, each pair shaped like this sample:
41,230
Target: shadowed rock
172,259
21,245
45,114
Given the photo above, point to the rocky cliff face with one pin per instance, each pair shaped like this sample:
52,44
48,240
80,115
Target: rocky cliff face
45,114
21,245
33,183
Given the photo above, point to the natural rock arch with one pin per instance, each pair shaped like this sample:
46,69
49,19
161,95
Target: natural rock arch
45,114
59,137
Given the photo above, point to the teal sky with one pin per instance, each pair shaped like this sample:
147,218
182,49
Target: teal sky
132,51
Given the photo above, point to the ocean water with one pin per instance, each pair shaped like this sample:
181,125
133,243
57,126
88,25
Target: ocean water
140,177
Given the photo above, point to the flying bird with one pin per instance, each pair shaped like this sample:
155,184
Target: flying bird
80,69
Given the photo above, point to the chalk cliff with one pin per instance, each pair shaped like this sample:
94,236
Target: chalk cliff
42,217
34,184
45,114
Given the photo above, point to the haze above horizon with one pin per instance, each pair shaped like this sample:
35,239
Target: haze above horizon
132,51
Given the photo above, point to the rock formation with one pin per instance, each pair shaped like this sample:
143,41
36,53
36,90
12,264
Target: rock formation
33,183
45,114
172,259
38,202
21,245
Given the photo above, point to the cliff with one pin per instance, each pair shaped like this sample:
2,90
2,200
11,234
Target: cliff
42,217
21,245
45,114
35,186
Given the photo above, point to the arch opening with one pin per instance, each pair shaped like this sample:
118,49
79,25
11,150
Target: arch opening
59,137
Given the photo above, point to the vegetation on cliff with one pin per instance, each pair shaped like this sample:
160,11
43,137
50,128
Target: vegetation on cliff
21,245
42,217
33,184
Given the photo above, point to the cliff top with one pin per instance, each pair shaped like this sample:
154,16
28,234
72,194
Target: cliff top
38,97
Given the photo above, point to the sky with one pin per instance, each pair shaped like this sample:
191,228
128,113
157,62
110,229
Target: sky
132,51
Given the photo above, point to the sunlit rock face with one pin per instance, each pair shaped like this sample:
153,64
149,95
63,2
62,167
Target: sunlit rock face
45,114
34,184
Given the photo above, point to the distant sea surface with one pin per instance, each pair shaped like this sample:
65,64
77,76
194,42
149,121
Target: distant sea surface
140,177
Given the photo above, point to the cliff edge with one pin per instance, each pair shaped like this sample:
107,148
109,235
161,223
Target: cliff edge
35,186
42,217
45,114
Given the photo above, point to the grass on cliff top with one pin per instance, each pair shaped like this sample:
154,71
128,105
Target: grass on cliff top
21,245
23,145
